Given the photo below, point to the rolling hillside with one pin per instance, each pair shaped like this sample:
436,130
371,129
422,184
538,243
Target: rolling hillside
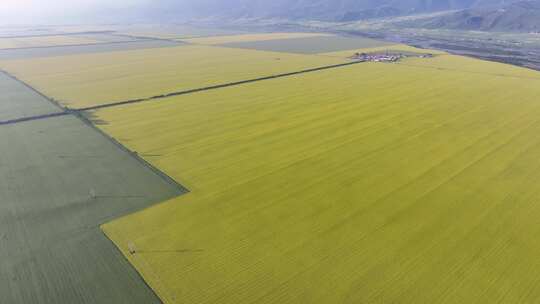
522,16
485,15
332,10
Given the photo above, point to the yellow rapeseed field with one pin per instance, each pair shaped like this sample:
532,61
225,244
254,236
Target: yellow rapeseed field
44,41
251,37
471,65
80,81
372,183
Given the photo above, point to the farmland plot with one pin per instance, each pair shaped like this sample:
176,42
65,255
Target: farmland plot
44,41
253,37
18,31
60,180
17,101
81,81
373,183
162,31
10,54
309,45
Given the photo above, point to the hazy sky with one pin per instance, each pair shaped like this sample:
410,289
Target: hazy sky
34,11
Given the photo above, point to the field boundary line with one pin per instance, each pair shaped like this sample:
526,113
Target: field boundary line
32,118
214,87
51,100
80,115
181,189
140,38
124,254
90,44
57,34
176,191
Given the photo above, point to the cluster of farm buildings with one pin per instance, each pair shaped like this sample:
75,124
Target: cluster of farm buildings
385,57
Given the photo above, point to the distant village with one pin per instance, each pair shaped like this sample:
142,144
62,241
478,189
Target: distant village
386,57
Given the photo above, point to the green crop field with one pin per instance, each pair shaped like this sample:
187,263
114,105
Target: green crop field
372,183
18,101
60,180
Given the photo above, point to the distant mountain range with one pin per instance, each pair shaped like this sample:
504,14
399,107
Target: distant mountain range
503,15
523,16
330,10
